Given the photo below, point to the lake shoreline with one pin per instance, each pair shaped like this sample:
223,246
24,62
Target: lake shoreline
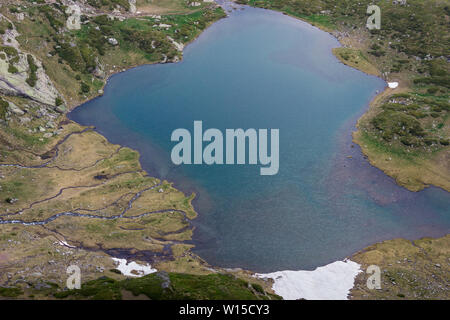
410,178
109,77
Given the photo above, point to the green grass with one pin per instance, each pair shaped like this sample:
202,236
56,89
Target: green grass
410,122
109,4
32,77
291,8
136,36
171,286
380,146
10,51
19,187
10,292
27,139
317,19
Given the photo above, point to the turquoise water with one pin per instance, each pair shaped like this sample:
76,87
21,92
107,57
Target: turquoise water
261,69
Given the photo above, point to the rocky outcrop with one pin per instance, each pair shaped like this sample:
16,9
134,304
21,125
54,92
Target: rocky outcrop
15,109
177,45
74,20
14,83
132,6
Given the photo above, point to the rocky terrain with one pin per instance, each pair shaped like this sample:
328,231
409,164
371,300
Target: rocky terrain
409,269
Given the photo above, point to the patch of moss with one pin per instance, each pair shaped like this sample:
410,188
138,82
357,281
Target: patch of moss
10,51
58,101
12,69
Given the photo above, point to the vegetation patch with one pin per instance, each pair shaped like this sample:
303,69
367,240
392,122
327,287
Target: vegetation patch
10,292
409,269
171,286
32,77
3,108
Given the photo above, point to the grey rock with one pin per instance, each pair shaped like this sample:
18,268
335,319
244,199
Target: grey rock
164,276
61,109
51,124
113,41
15,109
41,286
24,120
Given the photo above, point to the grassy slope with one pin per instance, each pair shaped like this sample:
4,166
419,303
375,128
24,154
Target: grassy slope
156,286
410,48
179,287
409,269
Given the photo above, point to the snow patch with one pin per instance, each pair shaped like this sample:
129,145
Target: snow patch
133,269
330,282
393,85
65,244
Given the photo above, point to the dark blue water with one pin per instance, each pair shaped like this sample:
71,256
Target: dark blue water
261,69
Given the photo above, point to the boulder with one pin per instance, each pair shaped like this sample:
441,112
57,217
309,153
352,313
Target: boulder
113,41
15,109
24,120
